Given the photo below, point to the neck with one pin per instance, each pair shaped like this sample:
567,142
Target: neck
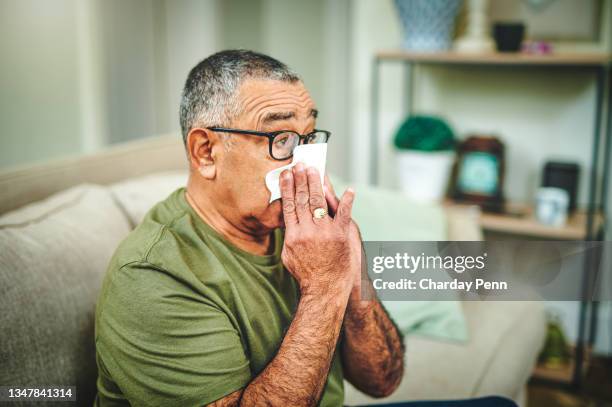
241,237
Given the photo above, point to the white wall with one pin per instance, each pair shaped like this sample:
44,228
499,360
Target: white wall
80,74
128,56
192,32
374,27
118,66
39,98
149,47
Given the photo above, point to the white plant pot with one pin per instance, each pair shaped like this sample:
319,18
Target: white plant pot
424,176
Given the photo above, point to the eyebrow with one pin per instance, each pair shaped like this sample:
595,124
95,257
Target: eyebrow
277,116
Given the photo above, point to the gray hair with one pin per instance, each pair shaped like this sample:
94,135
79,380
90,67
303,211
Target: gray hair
210,94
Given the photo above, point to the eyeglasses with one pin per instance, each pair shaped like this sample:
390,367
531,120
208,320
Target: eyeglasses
282,143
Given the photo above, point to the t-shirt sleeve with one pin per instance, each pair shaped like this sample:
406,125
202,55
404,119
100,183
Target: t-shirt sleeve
165,344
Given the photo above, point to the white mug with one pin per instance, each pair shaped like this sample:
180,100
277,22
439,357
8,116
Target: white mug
551,206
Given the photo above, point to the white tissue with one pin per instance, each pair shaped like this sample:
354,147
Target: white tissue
312,155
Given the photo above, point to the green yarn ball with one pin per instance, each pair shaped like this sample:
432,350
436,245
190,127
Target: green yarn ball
424,133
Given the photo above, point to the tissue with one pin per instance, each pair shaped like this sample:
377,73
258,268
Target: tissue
311,155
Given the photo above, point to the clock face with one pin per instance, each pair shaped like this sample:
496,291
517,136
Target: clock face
479,174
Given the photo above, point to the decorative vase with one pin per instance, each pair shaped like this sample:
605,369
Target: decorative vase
428,24
477,38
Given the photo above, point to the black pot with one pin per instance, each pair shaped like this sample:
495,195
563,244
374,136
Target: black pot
509,36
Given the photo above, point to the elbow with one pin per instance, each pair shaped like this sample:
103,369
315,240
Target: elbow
387,385
390,389
392,377
381,392
385,389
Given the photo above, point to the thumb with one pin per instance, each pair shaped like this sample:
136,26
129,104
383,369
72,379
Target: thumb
345,207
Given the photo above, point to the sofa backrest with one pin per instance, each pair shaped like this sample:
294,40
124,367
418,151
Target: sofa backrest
32,183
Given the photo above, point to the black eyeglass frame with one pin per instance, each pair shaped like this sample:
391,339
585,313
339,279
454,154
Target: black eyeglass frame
272,135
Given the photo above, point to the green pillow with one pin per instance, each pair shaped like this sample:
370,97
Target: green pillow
435,319
386,215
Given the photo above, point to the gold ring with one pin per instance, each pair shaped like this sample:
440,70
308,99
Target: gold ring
319,213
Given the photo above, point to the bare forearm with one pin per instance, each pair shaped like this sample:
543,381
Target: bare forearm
372,349
297,375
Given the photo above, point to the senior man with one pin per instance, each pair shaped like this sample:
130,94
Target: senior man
220,297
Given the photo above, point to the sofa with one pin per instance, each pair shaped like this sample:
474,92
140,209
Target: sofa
60,223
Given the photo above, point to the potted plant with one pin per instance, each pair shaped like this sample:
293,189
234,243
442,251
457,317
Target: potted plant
425,155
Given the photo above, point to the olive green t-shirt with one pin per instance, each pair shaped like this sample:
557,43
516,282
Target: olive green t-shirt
185,318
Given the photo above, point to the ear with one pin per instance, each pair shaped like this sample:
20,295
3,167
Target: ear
200,143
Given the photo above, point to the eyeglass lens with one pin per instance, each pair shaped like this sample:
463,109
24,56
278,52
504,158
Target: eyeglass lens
284,143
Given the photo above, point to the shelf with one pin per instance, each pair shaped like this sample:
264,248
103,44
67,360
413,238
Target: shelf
499,58
519,222
519,219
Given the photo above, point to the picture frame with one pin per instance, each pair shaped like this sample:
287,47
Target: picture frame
478,174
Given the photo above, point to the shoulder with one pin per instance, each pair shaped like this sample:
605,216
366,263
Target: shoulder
150,260
154,227
161,256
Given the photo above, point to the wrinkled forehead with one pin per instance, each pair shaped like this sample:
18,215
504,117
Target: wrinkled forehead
264,102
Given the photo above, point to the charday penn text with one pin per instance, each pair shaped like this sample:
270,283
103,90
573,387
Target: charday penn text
411,264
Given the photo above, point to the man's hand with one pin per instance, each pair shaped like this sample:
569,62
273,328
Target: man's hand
319,253
372,349
357,254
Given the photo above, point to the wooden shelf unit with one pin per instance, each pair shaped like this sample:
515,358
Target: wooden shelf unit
577,227
499,58
519,219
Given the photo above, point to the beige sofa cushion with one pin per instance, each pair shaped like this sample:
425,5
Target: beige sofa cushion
137,195
505,339
53,255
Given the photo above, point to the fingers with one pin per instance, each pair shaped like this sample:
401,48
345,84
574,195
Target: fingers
315,189
345,207
330,197
302,207
288,198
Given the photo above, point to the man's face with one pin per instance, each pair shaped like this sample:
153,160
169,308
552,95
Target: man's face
267,106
